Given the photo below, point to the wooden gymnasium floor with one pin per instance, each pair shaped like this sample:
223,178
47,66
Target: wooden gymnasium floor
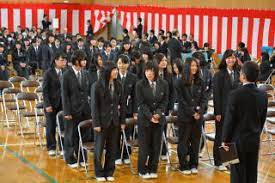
22,161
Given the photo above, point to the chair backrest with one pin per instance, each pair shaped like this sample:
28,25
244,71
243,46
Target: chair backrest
39,89
17,79
208,117
171,119
266,87
271,103
86,124
11,91
29,83
60,120
5,84
270,114
27,96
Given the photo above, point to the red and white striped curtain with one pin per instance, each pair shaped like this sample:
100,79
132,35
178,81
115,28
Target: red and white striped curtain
222,28
73,17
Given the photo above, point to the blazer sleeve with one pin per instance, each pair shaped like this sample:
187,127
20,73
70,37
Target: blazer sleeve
142,107
181,94
217,94
95,105
203,100
46,90
264,111
65,94
230,118
134,98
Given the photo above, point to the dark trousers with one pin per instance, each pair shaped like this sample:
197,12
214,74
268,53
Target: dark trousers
128,133
217,143
164,149
51,129
149,139
246,170
189,137
106,138
22,71
71,138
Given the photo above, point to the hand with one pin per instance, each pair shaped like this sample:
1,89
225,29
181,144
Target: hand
225,147
2,67
154,120
135,116
197,116
122,126
68,117
97,129
49,109
22,65
156,116
218,118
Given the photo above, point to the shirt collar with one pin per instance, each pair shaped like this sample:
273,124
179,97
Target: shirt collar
75,71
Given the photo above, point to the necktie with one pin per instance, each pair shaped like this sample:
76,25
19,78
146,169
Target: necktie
232,78
161,75
153,88
111,88
123,80
59,74
79,77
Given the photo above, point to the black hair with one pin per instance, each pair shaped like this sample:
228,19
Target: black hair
140,19
152,31
200,56
206,45
150,65
265,56
241,45
135,55
100,39
227,53
251,71
125,31
106,72
184,35
186,71
80,40
107,44
178,63
124,59
77,56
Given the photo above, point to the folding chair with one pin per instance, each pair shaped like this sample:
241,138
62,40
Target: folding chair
268,88
28,111
16,80
87,146
208,136
132,143
173,140
3,85
27,85
269,129
10,105
60,130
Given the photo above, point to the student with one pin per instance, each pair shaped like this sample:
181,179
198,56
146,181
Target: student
192,105
128,81
108,114
224,81
243,124
75,91
52,99
152,97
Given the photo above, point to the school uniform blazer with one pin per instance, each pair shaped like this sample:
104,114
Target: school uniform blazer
51,89
129,93
190,100
245,117
221,89
148,104
105,108
75,96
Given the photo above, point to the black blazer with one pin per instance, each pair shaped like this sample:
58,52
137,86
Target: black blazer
128,89
34,56
148,105
190,101
47,56
105,108
245,117
75,96
175,48
112,56
19,58
208,80
221,89
51,89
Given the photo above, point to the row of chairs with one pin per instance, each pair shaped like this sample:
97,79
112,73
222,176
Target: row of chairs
22,99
